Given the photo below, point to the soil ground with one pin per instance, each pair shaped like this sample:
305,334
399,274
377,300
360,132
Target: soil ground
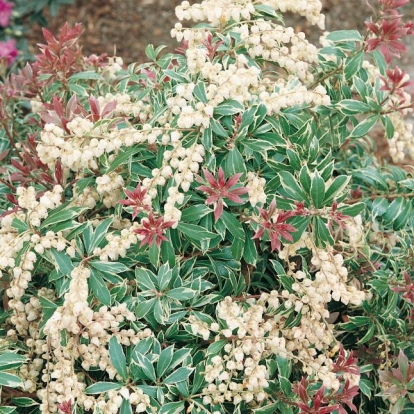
125,27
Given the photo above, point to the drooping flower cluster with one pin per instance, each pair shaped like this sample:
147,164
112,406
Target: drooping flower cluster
254,332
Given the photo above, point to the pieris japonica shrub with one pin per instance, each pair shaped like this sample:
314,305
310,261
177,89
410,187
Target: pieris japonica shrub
210,232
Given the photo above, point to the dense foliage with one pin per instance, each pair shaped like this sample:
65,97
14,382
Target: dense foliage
210,232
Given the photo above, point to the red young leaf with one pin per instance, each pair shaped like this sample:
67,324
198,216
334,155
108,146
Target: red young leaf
220,189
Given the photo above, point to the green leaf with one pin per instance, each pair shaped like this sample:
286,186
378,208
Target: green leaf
181,293
352,210
313,150
154,254
146,280
48,309
234,163
338,185
237,248
172,408
285,385
291,186
117,357
250,252
258,145
99,288
57,216
317,190
398,406
356,322
218,129
248,118
168,251
366,387
76,231
233,225
109,267
268,409
143,308
322,234
294,159
369,334
354,64
380,61
388,125
195,232
379,207
77,89
229,107
398,213
63,261
99,234
176,76
352,107
267,10
24,401
364,127
164,360
199,378
216,347
10,380
164,276
19,225
305,178
7,410
181,374
208,138
283,366
147,368
179,356
162,310
101,387
125,407
123,157
373,177
195,213
200,92
10,360
87,75
150,52
345,36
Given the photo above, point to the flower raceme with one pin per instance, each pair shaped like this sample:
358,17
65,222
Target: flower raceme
219,188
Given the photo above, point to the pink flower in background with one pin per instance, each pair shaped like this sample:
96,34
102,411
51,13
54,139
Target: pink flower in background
5,12
8,51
